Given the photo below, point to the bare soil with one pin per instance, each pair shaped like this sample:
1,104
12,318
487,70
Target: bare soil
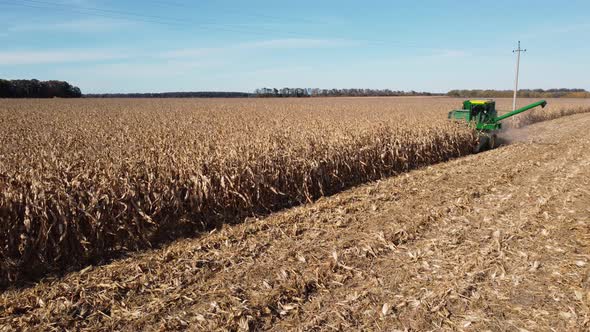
497,241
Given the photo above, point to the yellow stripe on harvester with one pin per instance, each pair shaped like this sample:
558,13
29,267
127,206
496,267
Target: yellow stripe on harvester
479,102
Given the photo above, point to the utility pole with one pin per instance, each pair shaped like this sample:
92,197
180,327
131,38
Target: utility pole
517,51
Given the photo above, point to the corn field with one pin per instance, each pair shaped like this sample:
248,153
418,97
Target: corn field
83,181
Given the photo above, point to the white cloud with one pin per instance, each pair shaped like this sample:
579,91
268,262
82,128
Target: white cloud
452,54
77,2
298,43
143,69
274,71
142,76
61,56
569,28
201,54
190,52
554,30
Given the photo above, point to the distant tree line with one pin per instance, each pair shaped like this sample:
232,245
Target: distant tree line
525,93
315,92
49,89
37,89
198,94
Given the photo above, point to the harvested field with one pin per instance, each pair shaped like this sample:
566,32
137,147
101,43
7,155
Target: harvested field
494,241
86,180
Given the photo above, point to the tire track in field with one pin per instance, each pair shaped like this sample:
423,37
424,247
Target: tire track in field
464,265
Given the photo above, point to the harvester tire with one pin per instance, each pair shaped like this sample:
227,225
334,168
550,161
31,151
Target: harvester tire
483,144
493,141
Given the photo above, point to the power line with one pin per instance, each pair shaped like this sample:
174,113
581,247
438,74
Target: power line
124,15
241,13
139,18
150,18
78,11
92,10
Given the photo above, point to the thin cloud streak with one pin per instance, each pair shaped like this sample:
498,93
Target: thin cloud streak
289,43
299,43
143,69
78,56
452,54
61,56
90,25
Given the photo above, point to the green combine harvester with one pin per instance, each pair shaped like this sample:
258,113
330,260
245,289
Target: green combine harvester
482,114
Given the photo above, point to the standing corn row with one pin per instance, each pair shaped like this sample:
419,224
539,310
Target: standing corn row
83,181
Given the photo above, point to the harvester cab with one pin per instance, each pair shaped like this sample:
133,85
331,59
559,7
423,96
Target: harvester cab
483,115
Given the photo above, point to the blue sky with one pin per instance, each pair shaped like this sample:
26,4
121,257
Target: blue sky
181,45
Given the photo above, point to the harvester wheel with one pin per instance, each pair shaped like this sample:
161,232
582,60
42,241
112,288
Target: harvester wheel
493,141
483,143
487,141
